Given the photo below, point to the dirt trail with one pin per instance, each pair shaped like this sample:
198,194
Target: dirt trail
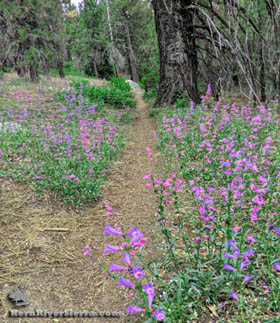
50,264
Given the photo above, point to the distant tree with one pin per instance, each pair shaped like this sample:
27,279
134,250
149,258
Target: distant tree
34,32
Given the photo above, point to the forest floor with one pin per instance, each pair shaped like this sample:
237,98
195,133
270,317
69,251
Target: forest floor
41,240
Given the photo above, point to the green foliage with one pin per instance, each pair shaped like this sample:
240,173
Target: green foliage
149,81
117,93
120,83
154,112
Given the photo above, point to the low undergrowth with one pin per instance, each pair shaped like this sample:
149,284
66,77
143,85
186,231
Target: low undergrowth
219,216
116,93
67,150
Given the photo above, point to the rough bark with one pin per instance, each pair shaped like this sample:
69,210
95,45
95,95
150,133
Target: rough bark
177,49
33,73
60,69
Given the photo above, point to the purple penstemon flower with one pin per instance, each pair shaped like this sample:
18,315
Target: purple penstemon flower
86,250
126,258
148,288
229,267
243,263
235,254
138,243
246,278
231,243
276,266
137,272
158,314
109,247
115,267
233,295
133,231
250,239
110,230
248,253
134,309
126,282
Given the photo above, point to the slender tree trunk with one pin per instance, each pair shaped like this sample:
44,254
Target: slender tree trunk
92,54
262,71
177,49
130,55
112,38
262,74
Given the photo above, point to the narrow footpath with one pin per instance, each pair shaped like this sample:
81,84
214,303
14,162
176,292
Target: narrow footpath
56,274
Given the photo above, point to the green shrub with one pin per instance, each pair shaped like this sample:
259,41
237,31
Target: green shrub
116,93
120,83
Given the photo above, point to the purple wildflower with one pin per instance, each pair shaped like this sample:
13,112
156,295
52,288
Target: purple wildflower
148,288
243,264
115,267
247,277
111,248
86,250
250,239
137,272
229,267
233,295
231,243
158,314
134,309
126,258
110,230
248,253
126,282
276,266
229,255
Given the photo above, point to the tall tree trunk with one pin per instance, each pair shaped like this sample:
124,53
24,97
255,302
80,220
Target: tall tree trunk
33,72
262,74
262,71
116,70
92,54
130,55
60,68
177,49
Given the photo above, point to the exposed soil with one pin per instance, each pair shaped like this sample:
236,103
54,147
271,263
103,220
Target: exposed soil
41,240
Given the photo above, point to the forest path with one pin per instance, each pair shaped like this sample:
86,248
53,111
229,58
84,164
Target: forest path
52,267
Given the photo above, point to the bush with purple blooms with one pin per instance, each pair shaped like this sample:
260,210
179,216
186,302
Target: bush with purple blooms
223,239
219,215
67,150
132,275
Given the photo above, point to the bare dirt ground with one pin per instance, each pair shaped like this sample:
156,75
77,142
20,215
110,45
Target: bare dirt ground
43,250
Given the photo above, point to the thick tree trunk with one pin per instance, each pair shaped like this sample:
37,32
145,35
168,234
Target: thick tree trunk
177,49
60,69
130,55
33,73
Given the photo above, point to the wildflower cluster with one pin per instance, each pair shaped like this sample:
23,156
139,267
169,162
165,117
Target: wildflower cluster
228,162
67,149
129,249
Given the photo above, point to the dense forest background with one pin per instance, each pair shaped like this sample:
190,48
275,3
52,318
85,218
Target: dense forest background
173,48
